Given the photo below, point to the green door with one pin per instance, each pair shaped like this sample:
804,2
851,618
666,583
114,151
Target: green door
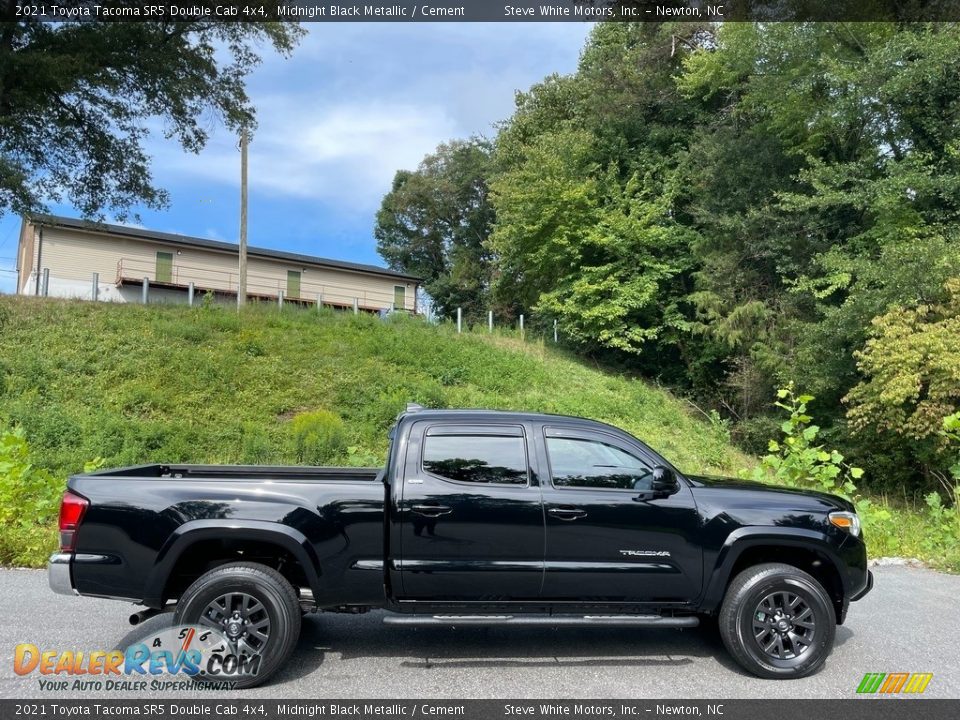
293,284
399,297
164,267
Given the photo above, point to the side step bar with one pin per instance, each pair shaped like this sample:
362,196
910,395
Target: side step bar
546,620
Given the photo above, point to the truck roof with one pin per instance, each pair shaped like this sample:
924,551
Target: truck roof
423,413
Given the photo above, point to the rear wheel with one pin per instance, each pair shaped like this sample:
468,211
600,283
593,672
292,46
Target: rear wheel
256,611
777,621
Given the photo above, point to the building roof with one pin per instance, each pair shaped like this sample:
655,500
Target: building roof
186,240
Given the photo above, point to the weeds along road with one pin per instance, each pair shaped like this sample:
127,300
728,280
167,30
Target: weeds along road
907,624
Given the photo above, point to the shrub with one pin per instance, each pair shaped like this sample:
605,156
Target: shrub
29,502
797,460
944,521
256,448
318,437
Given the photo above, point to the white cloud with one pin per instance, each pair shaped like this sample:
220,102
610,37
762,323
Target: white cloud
357,102
346,154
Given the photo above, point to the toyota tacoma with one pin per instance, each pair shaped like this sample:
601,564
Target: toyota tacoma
478,518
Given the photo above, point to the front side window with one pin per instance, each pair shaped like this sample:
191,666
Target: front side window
582,463
476,458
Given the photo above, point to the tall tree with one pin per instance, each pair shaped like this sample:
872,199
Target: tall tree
435,221
77,99
587,195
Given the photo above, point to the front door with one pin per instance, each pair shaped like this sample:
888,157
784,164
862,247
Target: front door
293,284
471,519
605,541
164,273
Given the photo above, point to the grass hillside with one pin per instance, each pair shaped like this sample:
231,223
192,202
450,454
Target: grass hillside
134,384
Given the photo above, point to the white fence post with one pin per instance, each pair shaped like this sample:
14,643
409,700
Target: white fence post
459,320
190,290
145,292
356,306
521,326
319,301
490,321
45,283
280,298
95,287
554,331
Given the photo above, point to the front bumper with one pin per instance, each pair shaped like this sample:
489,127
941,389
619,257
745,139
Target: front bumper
59,575
865,589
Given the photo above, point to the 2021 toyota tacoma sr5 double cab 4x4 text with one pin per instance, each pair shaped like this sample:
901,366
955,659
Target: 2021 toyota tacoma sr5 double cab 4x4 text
478,518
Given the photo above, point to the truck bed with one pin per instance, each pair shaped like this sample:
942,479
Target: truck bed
145,524
288,473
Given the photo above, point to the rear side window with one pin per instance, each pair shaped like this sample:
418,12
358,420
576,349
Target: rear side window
476,458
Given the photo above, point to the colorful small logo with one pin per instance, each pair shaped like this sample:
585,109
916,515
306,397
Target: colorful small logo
891,683
185,650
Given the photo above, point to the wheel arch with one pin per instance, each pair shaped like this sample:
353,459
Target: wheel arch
200,535
807,550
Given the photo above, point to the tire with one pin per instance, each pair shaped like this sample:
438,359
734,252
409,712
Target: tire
777,621
247,586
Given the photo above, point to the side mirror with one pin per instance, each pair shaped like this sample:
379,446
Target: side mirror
663,482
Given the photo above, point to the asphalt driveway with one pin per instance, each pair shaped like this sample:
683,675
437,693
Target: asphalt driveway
907,624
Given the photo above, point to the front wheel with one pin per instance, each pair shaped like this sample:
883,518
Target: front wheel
256,613
777,621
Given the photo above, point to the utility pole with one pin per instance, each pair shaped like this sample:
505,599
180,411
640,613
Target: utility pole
242,282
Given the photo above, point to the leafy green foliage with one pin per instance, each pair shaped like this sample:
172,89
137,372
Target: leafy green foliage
951,431
798,460
318,437
434,223
911,366
76,100
943,526
29,502
945,520
729,207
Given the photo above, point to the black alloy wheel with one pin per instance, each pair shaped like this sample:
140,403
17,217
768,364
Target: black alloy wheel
257,613
777,621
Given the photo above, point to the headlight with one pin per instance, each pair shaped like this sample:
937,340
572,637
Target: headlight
846,521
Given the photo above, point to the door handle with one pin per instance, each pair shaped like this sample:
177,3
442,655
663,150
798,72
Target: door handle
567,513
431,510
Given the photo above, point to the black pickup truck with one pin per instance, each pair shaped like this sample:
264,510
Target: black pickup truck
478,518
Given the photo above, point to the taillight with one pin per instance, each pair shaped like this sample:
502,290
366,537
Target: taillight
72,508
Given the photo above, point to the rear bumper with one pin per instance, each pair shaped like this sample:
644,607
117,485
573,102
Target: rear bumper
59,573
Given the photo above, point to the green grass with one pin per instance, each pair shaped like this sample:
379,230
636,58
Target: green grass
134,384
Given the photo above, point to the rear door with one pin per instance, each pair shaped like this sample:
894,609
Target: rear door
471,516
606,541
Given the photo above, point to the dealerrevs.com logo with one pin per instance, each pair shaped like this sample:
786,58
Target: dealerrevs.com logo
172,658
894,683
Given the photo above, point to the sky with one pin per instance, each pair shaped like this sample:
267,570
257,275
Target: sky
351,106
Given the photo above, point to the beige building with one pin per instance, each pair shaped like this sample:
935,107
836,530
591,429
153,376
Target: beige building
60,256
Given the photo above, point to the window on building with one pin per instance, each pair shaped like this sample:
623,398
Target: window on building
476,458
164,272
399,297
293,283
582,463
